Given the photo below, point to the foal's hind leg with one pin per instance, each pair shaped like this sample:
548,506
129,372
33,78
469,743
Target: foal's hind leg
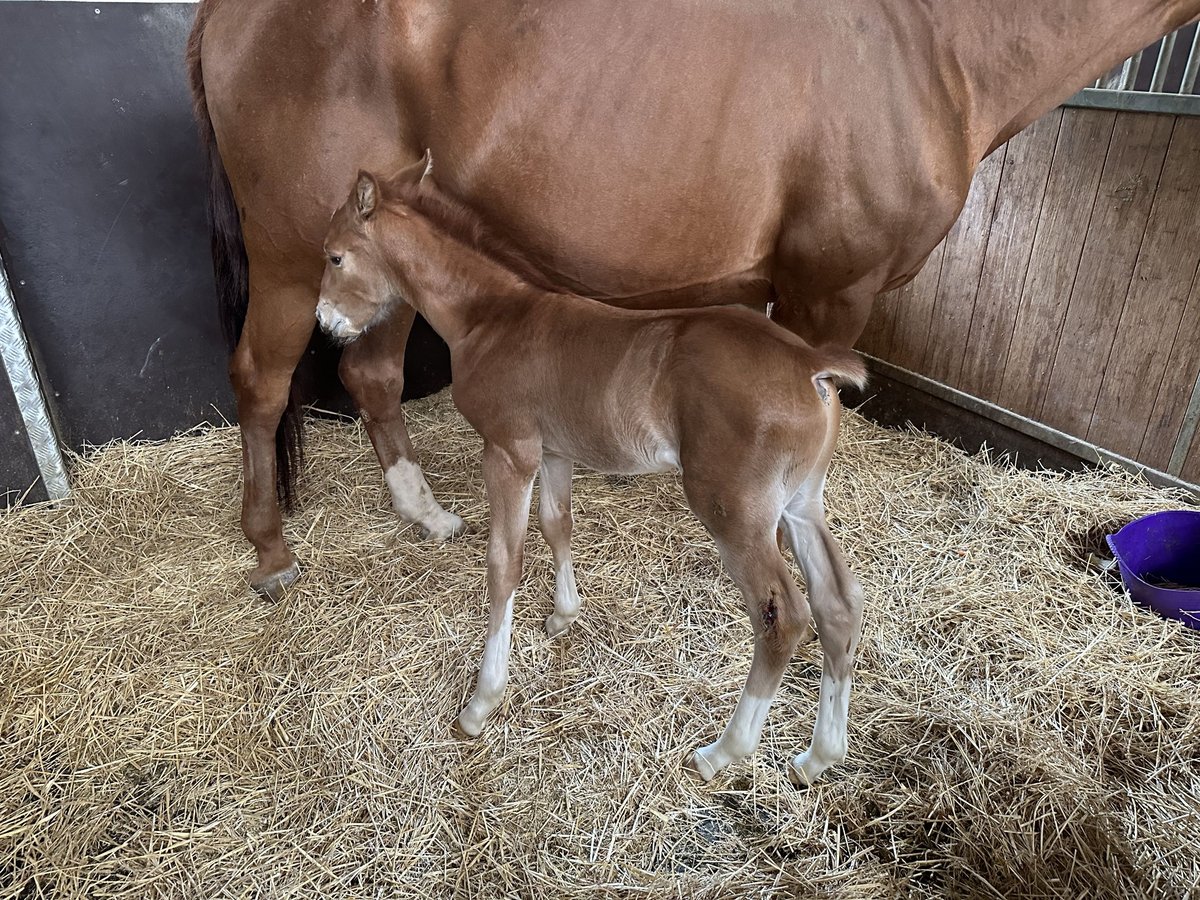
554,514
780,619
735,508
372,369
837,602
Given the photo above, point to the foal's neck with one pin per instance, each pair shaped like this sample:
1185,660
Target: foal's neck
456,287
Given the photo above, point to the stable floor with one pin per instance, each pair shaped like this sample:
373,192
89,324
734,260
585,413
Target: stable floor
1018,728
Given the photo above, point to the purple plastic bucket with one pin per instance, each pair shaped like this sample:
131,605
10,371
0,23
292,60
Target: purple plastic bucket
1163,547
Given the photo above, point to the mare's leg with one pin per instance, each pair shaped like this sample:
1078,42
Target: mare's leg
554,514
372,369
279,323
508,476
737,514
837,603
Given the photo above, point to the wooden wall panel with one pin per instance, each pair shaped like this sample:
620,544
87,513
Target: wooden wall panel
911,310
1070,289
1179,379
961,267
1162,283
1191,468
1065,210
1110,251
1006,260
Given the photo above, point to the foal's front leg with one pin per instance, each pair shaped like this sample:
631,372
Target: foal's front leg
508,477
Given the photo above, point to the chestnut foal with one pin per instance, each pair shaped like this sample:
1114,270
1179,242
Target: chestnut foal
744,409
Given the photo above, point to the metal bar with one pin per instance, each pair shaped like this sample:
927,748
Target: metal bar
1193,64
1187,431
1113,78
1130,74
18,363
1077,447
1137,101
1162,63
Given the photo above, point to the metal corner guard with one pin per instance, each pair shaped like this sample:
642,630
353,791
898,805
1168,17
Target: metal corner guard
18,364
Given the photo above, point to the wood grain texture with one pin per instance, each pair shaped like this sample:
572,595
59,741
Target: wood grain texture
913,313
876,338
1085,311
962,264
1191,468
1065,211
1170,404
1154,310
1010,243
1110,252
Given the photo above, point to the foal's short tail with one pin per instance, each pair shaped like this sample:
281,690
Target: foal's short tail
840,365
231,267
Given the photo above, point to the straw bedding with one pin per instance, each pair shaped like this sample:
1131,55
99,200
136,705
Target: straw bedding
1018,728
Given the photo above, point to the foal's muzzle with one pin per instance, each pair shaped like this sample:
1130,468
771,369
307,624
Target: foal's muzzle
335,324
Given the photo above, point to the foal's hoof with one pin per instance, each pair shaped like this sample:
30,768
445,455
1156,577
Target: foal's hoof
556,627
700,764
467,726
272,586
444,527
803,772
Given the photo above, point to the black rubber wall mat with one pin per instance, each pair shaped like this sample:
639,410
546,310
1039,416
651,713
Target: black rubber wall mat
103,231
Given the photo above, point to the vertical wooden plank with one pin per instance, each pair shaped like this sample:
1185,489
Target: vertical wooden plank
1158,296
1183,366
1191,468
876,338
965,247
914,312
1062,223
1110,252
1010,242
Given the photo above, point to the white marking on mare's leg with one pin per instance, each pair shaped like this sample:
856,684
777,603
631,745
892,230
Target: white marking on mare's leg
566,601
739,739
829,734
493,675
414,501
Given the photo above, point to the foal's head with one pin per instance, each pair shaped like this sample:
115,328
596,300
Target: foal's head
392,234
359,285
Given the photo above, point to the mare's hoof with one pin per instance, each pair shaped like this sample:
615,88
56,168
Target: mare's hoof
445,527
700,764
273,586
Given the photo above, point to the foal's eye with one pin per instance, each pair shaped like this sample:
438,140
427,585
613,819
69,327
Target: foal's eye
336,260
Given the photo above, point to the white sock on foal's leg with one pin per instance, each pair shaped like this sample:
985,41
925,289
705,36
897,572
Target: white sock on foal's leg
493,675
566,601
414,501
739,739
829,734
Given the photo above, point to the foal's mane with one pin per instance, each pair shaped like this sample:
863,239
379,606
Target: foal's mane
462,223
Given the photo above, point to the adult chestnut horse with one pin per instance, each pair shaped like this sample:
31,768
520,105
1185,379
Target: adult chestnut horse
661,154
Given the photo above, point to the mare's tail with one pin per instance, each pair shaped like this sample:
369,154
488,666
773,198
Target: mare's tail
231,268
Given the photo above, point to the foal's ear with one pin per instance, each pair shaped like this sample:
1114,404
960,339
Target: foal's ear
417,172
366,194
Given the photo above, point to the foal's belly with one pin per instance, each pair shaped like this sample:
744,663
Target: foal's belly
628,452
